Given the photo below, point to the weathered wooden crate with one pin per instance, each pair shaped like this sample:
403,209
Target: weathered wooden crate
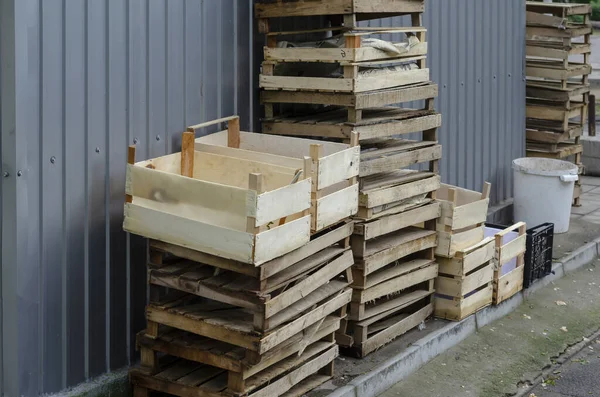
352,10
332,167
510,260
217,204
381,155
397,315
375,123
562,10
292,375
234,325
379,252
355,103
461,222
354,49
353,81
394,192
464,285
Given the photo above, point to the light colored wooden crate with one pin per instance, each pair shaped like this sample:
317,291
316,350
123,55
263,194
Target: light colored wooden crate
220,205
352,82
332,167
510,260
462,208
449,243
292,376
464,284
557,9
354,49
297,8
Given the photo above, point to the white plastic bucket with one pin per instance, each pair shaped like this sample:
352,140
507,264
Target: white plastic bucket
544,191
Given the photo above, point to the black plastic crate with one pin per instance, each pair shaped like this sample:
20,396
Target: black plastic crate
538,256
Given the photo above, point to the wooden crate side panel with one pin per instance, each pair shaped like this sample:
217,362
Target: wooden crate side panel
391,80
389,6
396,330
378,197
402,160
469,259
458,309
206,202
400,221
298,9
470,214
283,202
157,225
383,258
336,207
508,285
408,126
281,240
309,284
284,333
279,264
289,162
480,256
449,243
395,285
306,83
338,167
459,288
511,250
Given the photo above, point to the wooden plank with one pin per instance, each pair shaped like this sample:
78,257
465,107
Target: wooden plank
395,285
320,243
391,80
206,202
158,225
511,250
386,195
460,287
285,332
283,202
458,309
469,259
572,32
309,284
281,240
203,328
394,248
395,222
396,96
449,243
336,207
552,8
402,160
389,306
462,216
338,167
306,83
392,332
508,285
284,384
187,154
394,271
559,74
142,380
545,20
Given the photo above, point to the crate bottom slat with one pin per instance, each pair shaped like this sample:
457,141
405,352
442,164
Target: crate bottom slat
371,337
334,123
187,379
460,308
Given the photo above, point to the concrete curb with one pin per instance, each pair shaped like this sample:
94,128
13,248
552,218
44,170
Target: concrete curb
401,366
397,368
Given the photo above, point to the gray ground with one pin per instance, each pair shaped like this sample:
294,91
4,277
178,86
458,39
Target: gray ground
509,355
577,377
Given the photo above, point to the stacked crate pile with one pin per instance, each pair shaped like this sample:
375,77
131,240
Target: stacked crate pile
245,296
478,264
354,82
558,65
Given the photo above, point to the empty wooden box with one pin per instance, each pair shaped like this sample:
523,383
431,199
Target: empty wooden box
332,167
463,215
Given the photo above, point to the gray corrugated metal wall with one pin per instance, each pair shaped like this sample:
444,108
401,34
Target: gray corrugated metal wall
82,79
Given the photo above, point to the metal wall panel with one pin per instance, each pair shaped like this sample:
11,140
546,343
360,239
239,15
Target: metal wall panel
89,77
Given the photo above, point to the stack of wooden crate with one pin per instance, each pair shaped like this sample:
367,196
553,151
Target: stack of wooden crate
557,82
353,79
245,299
478,264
